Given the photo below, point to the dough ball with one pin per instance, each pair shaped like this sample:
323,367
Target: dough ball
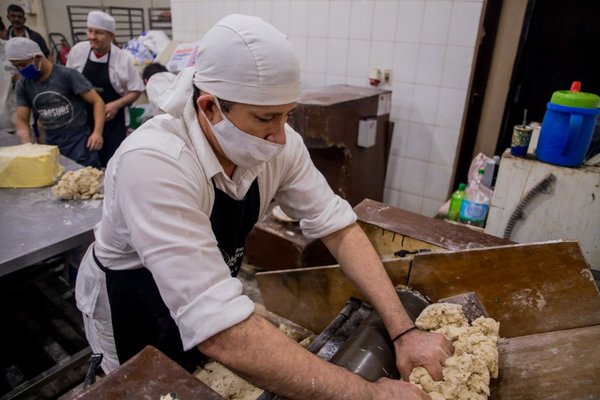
452,332
83,184
467,373
436,396
488,326
439,315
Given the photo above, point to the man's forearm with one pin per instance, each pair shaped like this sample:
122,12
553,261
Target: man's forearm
99,116
261,353
23,131
127,99
361,264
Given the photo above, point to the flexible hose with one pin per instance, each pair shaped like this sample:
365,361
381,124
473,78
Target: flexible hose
518,213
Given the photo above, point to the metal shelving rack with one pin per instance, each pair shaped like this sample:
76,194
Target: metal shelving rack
160,19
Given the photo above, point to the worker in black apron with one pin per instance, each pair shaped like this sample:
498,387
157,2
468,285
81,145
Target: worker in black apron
72,142
115,129
139,315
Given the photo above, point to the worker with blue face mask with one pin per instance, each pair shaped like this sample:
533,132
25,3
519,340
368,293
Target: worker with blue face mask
58,95
181,194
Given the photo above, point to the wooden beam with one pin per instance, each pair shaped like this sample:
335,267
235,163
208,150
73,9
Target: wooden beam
147,375
437,232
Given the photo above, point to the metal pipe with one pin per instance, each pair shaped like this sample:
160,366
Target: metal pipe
518,212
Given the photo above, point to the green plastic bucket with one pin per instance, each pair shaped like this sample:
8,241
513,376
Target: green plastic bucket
135,117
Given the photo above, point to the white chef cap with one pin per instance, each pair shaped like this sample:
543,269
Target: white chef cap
241,59
101,20
246,60
21,48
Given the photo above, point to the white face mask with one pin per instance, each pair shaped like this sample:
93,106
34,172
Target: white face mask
241,148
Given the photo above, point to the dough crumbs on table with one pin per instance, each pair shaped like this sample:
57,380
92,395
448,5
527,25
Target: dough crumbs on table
83,184
467,373
230,386
226,383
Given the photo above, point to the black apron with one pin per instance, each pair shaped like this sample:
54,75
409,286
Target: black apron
138,312
72,143
115,130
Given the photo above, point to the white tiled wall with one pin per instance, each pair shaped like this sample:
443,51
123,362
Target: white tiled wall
428,44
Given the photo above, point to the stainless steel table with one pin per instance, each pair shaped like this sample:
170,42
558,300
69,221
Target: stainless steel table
34,225
7,139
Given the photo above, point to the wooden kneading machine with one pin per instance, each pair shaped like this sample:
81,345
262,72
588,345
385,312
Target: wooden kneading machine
543,295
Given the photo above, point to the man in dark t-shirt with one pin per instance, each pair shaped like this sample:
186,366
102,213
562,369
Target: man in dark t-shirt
16,16
57,94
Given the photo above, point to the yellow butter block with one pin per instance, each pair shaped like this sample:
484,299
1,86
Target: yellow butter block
29,166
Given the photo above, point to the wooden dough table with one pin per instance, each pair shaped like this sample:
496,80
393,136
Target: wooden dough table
8,139
148,375
550,366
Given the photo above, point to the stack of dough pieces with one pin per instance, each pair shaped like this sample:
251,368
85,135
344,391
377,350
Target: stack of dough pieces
85,183
467,373
29,166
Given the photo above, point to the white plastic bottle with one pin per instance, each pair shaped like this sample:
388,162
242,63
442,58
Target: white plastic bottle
475,206
491,170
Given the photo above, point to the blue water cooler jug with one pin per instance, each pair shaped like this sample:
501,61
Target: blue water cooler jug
568,127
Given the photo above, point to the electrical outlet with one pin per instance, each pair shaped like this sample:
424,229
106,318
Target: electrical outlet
387,77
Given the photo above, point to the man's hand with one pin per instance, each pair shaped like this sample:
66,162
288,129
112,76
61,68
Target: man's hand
422,349
111,109
398,390
95,141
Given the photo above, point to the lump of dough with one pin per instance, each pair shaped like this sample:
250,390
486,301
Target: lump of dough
443,314
488,326
481,346
467,373
452,332
85,183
